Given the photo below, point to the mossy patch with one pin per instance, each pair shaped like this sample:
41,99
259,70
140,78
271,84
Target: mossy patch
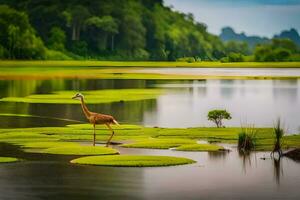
8,159
159,143
138,136
132,161
200,147
81,150
47,144
92,97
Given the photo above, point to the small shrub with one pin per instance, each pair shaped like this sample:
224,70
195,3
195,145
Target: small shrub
217,116
246,140
278,133
187,59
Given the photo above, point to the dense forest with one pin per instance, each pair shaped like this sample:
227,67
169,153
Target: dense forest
117,30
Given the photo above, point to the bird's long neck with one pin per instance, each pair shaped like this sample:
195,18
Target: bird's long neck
86,111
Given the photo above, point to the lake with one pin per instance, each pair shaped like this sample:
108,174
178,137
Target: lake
183,104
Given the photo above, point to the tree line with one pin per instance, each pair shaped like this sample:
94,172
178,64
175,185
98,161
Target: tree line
112,30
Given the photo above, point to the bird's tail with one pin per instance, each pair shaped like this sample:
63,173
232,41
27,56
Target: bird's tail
115,122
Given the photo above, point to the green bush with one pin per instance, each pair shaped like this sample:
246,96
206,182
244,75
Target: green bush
186,59
56,55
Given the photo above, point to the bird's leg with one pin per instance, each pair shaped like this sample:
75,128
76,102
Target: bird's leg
112,134
94,141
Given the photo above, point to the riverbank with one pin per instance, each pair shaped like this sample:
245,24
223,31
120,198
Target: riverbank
15,70
148,64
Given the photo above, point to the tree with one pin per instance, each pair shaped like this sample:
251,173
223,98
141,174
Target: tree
75,17
17,37
217,116
57,39
107,24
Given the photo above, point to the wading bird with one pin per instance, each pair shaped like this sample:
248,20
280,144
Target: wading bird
96,118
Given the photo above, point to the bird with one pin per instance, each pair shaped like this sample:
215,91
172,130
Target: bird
97,118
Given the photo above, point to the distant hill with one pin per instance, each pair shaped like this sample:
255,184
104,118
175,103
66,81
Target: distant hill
290,34
228,34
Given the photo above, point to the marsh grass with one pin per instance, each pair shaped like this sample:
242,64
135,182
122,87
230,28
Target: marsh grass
278,133
247,138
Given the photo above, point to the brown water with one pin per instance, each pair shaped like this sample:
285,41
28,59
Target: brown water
185,103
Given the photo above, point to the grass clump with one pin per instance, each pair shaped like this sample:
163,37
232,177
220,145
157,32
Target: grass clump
247,138
81,150
278,132
92,97
159,143
132,161
8,159
200,147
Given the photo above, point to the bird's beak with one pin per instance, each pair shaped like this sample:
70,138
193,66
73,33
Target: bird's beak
74,97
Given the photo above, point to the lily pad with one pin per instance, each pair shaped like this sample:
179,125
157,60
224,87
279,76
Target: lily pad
133,161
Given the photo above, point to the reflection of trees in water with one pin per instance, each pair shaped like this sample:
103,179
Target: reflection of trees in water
124,111
285,89
129,112
227,89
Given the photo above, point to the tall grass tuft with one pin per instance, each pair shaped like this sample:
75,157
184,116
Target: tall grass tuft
278,133
247,138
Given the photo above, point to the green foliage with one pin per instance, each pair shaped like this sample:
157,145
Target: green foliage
187,59
247,139
132,161
278,133
57,39
217,116
18,39
233,57
56,55
137,30
237,47
278,50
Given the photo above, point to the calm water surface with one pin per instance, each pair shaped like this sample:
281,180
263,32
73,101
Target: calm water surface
183,104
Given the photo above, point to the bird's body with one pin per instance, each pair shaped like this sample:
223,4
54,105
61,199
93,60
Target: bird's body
96,118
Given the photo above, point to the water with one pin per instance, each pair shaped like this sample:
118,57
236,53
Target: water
214,176
225,71
184,104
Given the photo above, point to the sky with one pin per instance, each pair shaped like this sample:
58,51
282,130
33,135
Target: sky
254,17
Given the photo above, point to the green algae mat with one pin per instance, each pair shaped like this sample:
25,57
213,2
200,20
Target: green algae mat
91,97
81,150
68,139
8,159
132,161
200,147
